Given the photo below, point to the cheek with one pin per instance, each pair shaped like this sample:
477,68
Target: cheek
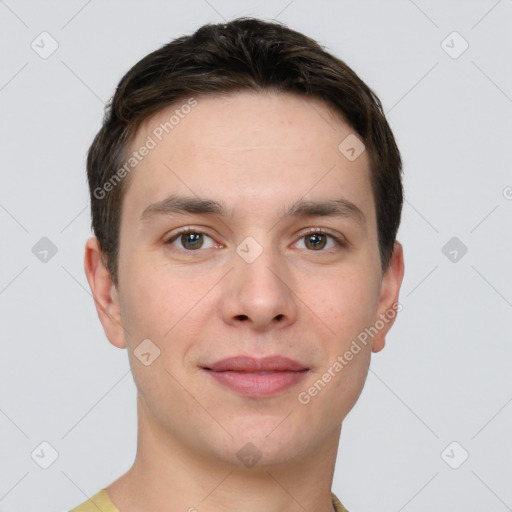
346,302
153,297
353,302
167,306
154,308
147,310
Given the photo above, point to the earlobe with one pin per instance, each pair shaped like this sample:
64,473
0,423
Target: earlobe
105,294
389,304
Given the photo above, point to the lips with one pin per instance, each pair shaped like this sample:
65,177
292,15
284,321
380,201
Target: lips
252,365
257,377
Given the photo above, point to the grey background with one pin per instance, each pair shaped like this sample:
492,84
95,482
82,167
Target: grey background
442,377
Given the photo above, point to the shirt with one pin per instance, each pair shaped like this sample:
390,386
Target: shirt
101,502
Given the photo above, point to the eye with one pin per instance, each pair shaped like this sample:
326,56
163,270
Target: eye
318,240
190,240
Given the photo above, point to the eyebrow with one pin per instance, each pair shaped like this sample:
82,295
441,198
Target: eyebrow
182,205
301,208
326,208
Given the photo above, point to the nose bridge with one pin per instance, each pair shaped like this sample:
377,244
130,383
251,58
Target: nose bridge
257,291
262,270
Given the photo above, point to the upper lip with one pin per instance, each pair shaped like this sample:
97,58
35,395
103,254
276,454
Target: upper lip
252,364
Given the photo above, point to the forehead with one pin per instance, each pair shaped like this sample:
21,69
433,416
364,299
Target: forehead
259,146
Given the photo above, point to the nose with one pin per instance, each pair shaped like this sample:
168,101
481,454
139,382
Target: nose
259,294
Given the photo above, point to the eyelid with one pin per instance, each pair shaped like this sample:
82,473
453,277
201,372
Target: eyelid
337,237
187,229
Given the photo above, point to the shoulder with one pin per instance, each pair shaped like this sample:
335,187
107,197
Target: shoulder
338,507
100,501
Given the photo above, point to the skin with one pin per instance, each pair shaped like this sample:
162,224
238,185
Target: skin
256,153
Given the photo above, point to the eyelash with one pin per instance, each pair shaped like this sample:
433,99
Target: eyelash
339,239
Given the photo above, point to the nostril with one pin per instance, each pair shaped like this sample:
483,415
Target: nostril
279,317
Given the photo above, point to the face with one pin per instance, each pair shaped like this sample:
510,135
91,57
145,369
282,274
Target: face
247,233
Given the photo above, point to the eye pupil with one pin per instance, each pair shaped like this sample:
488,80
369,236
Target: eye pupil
316,240
192,240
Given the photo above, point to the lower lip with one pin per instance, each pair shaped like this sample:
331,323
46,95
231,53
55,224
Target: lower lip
257,384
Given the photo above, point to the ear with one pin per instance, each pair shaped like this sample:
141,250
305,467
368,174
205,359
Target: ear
104,293
388,301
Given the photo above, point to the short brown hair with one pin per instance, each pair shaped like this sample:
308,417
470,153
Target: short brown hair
244,54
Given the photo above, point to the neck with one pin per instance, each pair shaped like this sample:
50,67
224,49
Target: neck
168,476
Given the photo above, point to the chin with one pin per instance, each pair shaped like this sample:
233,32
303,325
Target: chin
272,440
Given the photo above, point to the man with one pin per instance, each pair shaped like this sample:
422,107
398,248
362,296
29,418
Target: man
246,194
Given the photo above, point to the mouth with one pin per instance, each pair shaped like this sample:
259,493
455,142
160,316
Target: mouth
253,377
